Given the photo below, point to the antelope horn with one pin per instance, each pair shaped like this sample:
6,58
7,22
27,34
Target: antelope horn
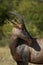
22,22
18,16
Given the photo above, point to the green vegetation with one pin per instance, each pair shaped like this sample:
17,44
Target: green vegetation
30,10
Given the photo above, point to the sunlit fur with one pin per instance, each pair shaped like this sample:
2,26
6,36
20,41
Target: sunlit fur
24,51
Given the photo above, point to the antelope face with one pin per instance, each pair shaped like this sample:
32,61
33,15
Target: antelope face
19,26
17,29
20,32
20,29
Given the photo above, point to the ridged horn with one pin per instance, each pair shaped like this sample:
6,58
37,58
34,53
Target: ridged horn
22,22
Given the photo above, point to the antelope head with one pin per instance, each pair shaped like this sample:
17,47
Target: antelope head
22,27
17,25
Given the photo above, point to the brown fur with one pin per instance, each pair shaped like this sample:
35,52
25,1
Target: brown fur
34,52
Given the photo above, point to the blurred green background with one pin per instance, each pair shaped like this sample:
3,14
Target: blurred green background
30,10
32,13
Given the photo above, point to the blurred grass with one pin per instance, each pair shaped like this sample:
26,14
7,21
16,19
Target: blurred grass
5,34
4,42
5,57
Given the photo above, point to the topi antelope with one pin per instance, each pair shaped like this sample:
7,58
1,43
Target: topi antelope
25,48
